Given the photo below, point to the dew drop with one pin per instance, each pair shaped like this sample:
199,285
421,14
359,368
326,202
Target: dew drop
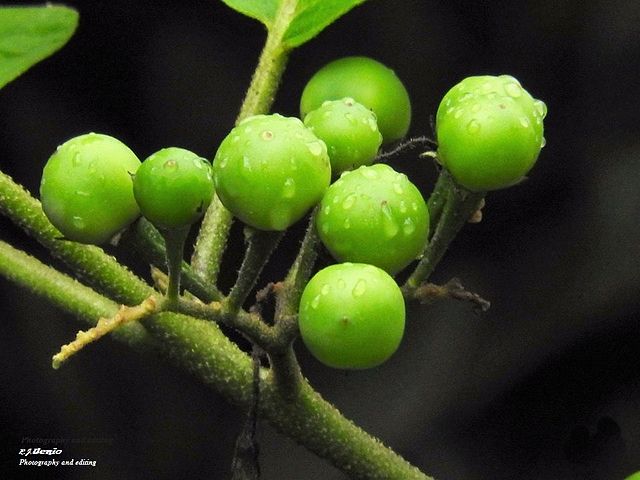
280,218
246,163
349,201
349,116
198,163
335,200
373,125
347,223
414,206
458,113
235,139
325,228
369,173
473,127
327,209
398,188
466,97
170,165
360,288
289,189
543,143
403,206
541,108
513,90
315,302
524,121
223,162
450,109
76,160
82,193
341,284
408,227
476,107
326,288
78,222
389,224
315,148
267,135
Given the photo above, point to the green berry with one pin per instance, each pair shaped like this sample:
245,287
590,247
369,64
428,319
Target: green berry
370,83
349,130
173,187
374,215
352,316
86,188
635,476
270,170
490,132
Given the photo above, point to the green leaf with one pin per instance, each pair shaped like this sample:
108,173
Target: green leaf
304,18
31,34
313,16
262,10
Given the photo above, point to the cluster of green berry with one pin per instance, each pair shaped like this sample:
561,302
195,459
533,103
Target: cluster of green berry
271,170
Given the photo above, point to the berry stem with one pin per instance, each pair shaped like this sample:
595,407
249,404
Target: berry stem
149,243
174,241
458,206
260,245
288,295
212,238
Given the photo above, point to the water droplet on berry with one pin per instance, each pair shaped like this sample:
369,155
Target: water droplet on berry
513,90
543,143
199,164
223,162
389,224
235,138
458,113
289,189
315,148
267,135
369,173
78,222
403,206
327,209
280,218
315,302
408,227
398,188
347,223
349,201
326,288
541,108
325,228
76,160
414,206
349,116
524,121
341,284
170,165
473,127
360,288
82,193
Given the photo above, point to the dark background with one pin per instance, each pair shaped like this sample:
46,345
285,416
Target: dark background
544,386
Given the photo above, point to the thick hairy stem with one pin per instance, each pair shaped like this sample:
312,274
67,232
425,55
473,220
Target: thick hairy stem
90,263
201,348
66,293
212,238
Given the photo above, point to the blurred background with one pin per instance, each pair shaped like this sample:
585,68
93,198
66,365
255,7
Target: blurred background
544,386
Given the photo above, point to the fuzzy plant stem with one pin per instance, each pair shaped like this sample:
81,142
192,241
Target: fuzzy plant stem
201,348
454,206
90,263
174,241
214,231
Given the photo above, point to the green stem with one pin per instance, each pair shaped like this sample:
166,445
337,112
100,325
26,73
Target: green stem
260,245
458,207
174,241
437,200
211,242
90,263
212,238
289,295
285,372
149,243
202,349
66,293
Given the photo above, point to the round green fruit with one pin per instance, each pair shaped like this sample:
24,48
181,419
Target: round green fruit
352,316
490,132
173,188
349,130
374,215
270,170
368,82
86,188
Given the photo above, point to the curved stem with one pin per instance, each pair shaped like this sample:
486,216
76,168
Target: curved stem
90,263
260,245
212,238
459,205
